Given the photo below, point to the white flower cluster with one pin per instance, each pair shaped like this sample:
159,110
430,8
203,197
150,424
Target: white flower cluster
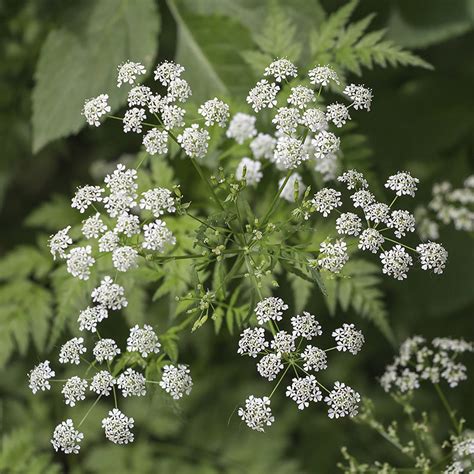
371,225
176,380
448,206
301,129
418,360
166,109
288,350
116,229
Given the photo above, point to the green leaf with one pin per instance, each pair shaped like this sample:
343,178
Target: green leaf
78,61
25,312
24,261
53,215
209,48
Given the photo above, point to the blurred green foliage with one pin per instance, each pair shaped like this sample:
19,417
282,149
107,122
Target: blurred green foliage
55,55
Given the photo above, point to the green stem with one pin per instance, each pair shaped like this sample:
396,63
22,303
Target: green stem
208,184
399,243
448,408
275,199
279,381
88,411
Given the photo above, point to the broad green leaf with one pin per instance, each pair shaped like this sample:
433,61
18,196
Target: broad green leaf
209,47
78,61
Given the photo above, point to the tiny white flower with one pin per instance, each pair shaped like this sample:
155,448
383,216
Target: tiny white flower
194,141
371,239
176,381
132,120
252,342
109,294
72,350
124,258
342,401
178,89
241,127
257,413
333,256
353,179
105,349
433,256
270,309
128,224
263,95
349,223
74,390
281,69
378,212
79,261
95,108
289,152
117,427
168,71
143,340
348,338
85,196
304,390
156,142
402,222
283,342
93,227
270,366
403,184
338,114
214,111
314,358
263,146
108,242
157,236
363,199
90,317
139,95
66,438
39,377
158,201
361,96
326,200
172,116
396,262
322,75
301,96
132,383
102,383
59,242
305,325
314,119
128,72
287,119
253,175
325,143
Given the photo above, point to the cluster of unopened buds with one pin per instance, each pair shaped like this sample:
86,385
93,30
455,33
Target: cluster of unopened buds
290,352
419,360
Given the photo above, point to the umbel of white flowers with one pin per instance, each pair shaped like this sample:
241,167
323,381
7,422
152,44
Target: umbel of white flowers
176,379
290,351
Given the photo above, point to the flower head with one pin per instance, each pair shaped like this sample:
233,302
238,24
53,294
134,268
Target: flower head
305,325
39,377
117,427
314,358
301,96
132,120
168,71
361,96
156,142
325,143
72,350
333,255
102,383
241,127
90,317
95,108
433,256
283,342
93,226
109,294
157,236
194,141
253,175
403,183
281,69
158,201
59,242
322,75
263,95
132,383
304,390
342,401
105,349
143,340
128,72
348,338
338,114
263,146
85,196
396,262
270,309
325,200
371,239
214,111
124,258
270,366
176,381
74,390
257,413
66,438
79,261
252,341
348,223
289,152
